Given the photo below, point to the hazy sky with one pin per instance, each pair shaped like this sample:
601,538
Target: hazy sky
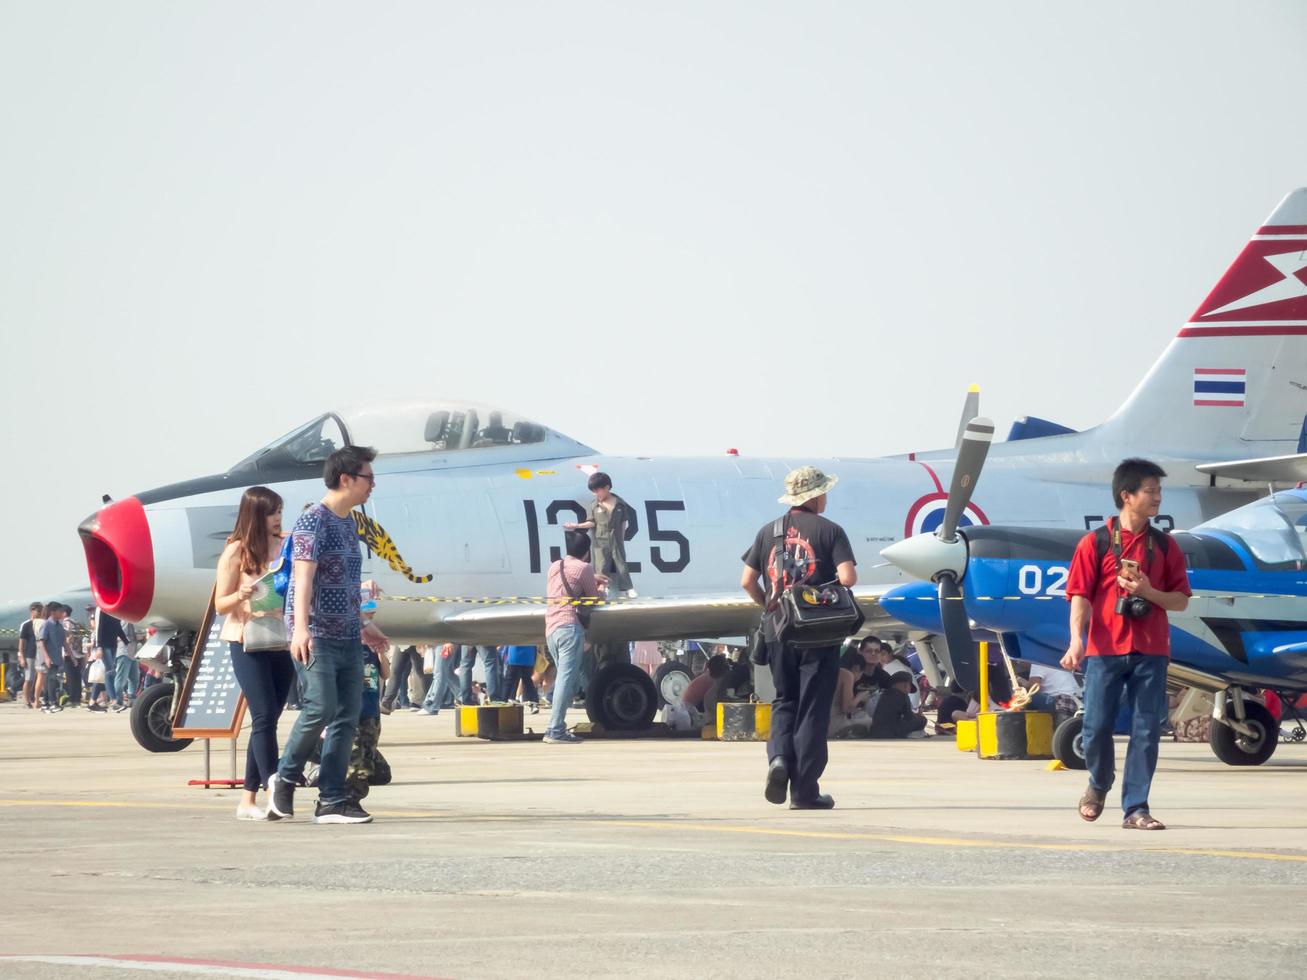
623,220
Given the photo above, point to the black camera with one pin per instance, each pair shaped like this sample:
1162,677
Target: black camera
1132,607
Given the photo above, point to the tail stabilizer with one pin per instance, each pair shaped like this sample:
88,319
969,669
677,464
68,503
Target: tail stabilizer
1233,383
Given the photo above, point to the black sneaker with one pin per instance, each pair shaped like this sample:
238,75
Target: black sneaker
345,812
281,797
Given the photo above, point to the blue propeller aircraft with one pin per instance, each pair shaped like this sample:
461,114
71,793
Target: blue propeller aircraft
1244,632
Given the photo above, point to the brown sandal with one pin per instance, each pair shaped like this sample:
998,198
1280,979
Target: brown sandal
1142,820
1091,804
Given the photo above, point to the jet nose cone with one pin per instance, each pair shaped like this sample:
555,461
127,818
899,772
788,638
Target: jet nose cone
120,558
924,556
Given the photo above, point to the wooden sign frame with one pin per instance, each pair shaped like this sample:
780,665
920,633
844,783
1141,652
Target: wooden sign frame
184,701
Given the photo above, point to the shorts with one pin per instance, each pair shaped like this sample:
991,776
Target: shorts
42,668
29,672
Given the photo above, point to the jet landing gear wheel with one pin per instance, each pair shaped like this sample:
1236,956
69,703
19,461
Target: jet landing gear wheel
1243,750
622,698
671,678
151,720
1068,746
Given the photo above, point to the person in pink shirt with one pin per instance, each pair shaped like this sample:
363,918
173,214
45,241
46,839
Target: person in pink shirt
703,691
568,579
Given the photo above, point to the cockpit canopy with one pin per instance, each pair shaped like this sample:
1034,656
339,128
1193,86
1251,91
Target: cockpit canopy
1272,529
405,428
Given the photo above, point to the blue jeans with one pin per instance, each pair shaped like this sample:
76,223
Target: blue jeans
489,663
443,680
126,677
332,696
1143,679
566,645
109,659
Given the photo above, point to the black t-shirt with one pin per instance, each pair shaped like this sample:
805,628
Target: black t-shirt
814,545
29,639
947,705
893,717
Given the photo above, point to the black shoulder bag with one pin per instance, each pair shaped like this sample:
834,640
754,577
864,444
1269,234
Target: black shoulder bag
810,615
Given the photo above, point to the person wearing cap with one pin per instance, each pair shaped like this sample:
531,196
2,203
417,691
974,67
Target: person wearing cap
814,550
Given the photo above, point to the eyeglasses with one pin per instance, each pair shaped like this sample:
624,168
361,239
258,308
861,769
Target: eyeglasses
370,477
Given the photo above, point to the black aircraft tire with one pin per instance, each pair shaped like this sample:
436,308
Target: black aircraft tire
1237,750
622,698
151,720
668,683
1067,747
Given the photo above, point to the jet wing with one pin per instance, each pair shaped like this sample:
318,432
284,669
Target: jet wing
727,614
1268,469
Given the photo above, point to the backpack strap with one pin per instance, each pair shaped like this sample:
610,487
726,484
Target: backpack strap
1107,538
778,559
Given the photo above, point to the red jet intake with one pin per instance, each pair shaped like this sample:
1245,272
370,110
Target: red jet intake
120,558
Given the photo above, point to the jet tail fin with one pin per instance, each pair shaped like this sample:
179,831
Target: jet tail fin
1233,383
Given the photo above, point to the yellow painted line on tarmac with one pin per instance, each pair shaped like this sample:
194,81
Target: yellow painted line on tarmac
952,841
215,805
112,804
836,835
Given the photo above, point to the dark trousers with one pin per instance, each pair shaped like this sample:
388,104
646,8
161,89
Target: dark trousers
73,680
489,663
408,660
800,716
1143,679
515,673
265,679
52,684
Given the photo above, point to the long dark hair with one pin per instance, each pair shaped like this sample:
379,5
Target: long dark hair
251,532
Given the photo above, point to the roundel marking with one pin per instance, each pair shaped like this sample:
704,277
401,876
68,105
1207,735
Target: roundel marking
927,514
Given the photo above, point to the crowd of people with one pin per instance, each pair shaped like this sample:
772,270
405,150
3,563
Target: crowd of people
65,663
320,647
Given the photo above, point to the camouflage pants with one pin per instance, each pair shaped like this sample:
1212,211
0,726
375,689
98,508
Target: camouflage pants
363,758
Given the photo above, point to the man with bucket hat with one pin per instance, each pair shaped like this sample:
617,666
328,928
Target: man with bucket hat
814,550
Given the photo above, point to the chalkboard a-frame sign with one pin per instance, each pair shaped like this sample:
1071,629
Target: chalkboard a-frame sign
211,704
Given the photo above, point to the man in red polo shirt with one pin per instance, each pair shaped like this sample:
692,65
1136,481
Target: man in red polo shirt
1124,579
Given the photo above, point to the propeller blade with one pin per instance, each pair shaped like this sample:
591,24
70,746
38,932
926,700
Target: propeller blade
970,409
964,660
971,460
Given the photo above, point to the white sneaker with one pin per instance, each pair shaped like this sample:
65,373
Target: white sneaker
632,594
918,734
246,812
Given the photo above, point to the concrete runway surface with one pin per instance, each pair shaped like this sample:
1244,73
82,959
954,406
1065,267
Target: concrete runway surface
640,859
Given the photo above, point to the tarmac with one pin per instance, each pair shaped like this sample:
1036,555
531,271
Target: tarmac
655,858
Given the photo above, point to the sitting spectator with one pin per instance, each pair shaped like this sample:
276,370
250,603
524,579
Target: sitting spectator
894,717
955,705
1058,689
703,692
847,717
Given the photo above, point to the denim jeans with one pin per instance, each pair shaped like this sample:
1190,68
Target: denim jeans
443,681
1143,679
126,677
332,696
566,645
108,658
489,663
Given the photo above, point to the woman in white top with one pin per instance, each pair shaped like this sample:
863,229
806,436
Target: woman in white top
266,676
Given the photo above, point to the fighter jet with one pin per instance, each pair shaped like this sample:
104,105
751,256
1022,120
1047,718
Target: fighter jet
467,512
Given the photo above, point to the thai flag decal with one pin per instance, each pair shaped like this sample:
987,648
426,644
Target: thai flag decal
1220,387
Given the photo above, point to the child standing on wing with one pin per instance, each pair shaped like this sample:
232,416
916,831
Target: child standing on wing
606,518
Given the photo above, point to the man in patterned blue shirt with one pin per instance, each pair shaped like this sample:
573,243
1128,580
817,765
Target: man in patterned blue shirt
327,635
